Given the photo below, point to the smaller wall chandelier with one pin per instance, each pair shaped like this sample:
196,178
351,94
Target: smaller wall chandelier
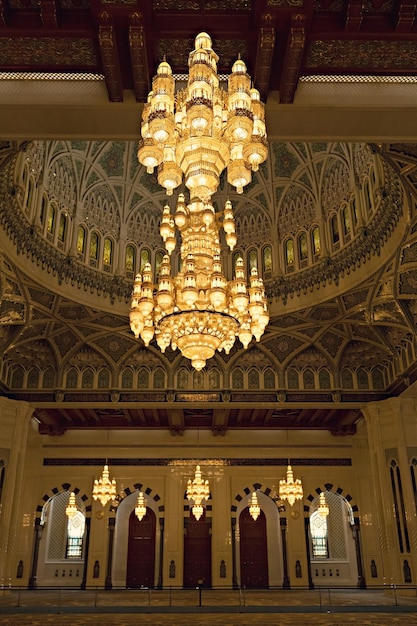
254,508
71,508
198,491
104,489
140,508
290,489
323,507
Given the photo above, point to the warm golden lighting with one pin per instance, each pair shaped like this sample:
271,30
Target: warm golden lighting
290,489
104,489
196,133
198,491
323,507
254,508
71,508
140,508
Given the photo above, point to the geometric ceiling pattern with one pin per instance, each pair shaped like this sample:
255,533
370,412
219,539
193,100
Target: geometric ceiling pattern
342,332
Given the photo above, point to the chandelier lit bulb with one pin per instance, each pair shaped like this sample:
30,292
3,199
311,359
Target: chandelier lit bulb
290,489
71,508
104,489
140,508
195,134
198,491
254,508
323,507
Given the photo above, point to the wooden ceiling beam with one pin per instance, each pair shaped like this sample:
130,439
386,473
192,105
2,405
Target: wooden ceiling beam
48,14
138,56
293,58
353,16
264,55
407,10
110,57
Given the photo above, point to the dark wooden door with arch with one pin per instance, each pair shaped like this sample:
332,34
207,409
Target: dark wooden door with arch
141,551
253,551
197,552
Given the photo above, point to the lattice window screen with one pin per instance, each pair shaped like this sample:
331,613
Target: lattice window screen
336,525
58,527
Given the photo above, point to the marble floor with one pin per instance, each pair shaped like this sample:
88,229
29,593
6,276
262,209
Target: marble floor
207,607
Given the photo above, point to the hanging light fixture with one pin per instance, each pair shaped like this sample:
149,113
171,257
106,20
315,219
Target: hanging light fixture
71,508
196,133
140,508
254,508
198,491
290,489
104,489
323,507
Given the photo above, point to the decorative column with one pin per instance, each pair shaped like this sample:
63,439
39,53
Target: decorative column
111,527
234,572
283,527
35,555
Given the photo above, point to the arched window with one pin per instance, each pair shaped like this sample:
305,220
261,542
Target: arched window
87,379
237,379
308,379
182,378
253,379
158,262
72,378
269,379
17,378
75,535
51,221
42,213
329,536
94,246
103,381
145,257
127,378
130,260
362,376
324,379
48,379
81,241
159,379
143,378
302,248
315,239
319,539
62,229
107,252
347,379
214,378
334,231
33,378
252,259
267,262
346,223
292,376
289,254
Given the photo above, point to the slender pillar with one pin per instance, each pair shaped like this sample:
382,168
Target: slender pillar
308,554
234,573
283,526
161,552
86,550
358,551
35,555
108,582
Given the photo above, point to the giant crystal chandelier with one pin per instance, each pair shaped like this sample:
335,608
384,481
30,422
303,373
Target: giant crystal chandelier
197,133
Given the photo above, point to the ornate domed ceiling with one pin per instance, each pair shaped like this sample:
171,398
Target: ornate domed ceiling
330,225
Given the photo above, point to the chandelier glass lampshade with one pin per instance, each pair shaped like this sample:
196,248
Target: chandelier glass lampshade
71,508
140,508
290,489
198,491
323,507
104,489
254,508
192,135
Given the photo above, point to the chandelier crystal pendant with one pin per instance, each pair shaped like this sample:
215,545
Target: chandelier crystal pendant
195,134
140,508
323,507
254,508
71,508
104,489
198,491
290,489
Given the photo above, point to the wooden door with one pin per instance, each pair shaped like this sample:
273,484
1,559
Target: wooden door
141,551
197,552
253,551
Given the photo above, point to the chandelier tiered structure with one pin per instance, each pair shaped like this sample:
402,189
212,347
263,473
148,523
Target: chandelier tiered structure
290,489
140,508
254,508
323,507
196,133
198,491
104,489
71,508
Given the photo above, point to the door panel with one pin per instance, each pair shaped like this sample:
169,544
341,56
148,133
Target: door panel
197,552
141,551
253,551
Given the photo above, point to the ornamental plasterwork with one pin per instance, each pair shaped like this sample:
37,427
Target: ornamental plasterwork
362,54
48,51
